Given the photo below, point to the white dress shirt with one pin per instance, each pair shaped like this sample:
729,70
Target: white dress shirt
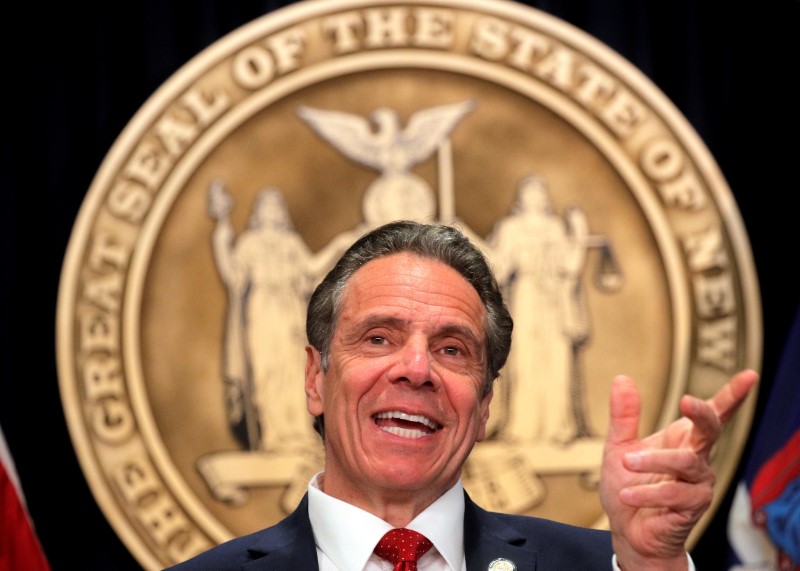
346,535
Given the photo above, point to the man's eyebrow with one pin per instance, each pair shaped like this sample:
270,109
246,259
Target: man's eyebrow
382,321
461,331
452,330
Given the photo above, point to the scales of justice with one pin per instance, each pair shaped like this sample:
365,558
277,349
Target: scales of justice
538,424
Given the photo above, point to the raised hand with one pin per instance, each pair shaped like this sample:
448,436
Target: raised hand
655,489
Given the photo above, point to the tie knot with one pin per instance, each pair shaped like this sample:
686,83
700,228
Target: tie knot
403,547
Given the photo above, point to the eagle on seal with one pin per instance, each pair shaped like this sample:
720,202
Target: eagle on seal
379,143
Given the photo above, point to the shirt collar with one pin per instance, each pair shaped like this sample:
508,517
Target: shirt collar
347,534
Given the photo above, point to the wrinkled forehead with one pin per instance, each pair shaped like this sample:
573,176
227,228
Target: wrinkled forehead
407,274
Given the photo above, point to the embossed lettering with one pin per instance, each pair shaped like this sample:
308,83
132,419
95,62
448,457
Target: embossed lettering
386,28
664,162
104,291
528,44
623,113
157,511
496,40
98,332
594,86
342,29
110,414
106,252
287,48
717,343
255,66
434,28
162,517
557,67
176,132
685,191
381,28
102,378
488,39
129,201
704,250
714,295
148,165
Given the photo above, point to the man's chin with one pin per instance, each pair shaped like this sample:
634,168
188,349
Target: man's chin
416,479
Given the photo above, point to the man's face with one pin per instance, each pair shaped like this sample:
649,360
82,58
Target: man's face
403,395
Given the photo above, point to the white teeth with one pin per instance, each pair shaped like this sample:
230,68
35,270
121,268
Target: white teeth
410,417
404,432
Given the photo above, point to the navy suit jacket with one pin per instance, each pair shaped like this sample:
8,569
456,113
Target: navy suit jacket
532,544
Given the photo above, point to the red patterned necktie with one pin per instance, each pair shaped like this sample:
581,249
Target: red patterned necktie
403,547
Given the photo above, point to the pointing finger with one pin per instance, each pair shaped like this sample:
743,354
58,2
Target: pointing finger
732,394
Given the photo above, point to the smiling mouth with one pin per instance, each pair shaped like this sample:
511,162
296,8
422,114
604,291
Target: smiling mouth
405,425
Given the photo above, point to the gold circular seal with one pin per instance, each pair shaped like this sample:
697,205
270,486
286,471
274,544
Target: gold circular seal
235,187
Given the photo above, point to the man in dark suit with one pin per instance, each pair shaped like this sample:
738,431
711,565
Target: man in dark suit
406,335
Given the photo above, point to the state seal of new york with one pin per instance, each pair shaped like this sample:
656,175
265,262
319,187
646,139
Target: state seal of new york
238,184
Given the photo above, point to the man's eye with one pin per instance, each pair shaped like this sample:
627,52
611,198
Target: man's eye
377,340
453,351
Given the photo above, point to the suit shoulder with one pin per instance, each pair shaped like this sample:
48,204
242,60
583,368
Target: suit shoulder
291,536
570,545
553,545
553,529
231,554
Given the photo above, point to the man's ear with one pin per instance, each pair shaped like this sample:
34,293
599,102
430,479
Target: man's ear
484,412
314,377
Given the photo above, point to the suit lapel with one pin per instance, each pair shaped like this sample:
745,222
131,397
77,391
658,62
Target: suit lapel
486,539
289,545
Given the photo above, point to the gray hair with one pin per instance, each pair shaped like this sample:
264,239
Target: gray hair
438,242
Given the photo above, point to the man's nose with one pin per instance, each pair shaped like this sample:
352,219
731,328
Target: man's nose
415,363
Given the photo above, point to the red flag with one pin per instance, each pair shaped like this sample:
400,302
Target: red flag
20,549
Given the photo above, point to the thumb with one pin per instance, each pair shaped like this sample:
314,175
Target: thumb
626,407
